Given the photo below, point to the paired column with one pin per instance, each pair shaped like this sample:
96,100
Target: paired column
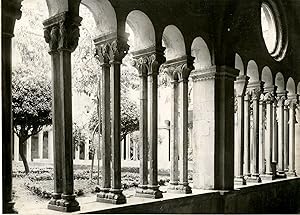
62,33
10,12
247,136
111,49
240,87
261,143
281,97
269,99
292,114
255,88
286,136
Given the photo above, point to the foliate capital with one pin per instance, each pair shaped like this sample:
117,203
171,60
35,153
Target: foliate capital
269,97
111,48
62,32
281,99
255,93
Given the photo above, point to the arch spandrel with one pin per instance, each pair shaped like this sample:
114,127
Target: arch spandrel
140,29
279,82
174,42
57,6
290,86
201,54
252,71
239,64
267,77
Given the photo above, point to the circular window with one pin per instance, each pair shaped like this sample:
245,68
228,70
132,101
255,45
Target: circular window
273,32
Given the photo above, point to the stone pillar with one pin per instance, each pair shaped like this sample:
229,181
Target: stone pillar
240,87
128,157
28,149
261,125
62,34
50,145
77,153
280,114
247,134
297,138
292,121
10,12
213,132
141,60
87,149
269,99
255,88
286,136
113,47
16,147
41,143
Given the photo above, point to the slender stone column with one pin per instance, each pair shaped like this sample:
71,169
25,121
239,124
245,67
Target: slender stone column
87,149
255,88
269,99
213,132
286,136
292,121
50,145
77,153
113,47
247,134
174,172
156,59
28,149
280,112
10,10
261,144
16,147
62,34
275,133
128,157
297,137
141,60
41,143
240,87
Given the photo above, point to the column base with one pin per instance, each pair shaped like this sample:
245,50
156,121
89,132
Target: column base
239,180
112,196
152,191
255,178
8,208
181,188
291,174
280,174
269,176
68,203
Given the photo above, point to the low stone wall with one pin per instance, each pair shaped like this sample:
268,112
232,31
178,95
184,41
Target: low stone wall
281,196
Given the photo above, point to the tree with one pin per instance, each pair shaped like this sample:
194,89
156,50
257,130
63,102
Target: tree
31,105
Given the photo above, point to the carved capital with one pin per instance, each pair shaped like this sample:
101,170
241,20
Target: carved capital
62,32
240,84
11,10
142,64
269,97
281,99
255,93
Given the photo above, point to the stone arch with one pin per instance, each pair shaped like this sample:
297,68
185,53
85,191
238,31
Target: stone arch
104,15
174,42
239,64
56,6
139,26
267,77
279,82
252,71
201,54
291,86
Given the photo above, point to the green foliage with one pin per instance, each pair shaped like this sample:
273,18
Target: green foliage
31,102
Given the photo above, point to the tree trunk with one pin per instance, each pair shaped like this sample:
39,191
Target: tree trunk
21,151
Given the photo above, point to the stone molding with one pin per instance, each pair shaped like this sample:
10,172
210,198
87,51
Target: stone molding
224,72
148,61
240,85
62,32
111,48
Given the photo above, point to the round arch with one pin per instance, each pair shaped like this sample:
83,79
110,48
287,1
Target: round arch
239,64
201,54
252,71
174,42
104,15
140,29
56,6
267,77
291,86
279,82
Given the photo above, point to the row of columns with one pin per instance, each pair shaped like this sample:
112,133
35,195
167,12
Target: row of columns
265,132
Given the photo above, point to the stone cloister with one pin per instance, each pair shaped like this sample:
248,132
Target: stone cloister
246,119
